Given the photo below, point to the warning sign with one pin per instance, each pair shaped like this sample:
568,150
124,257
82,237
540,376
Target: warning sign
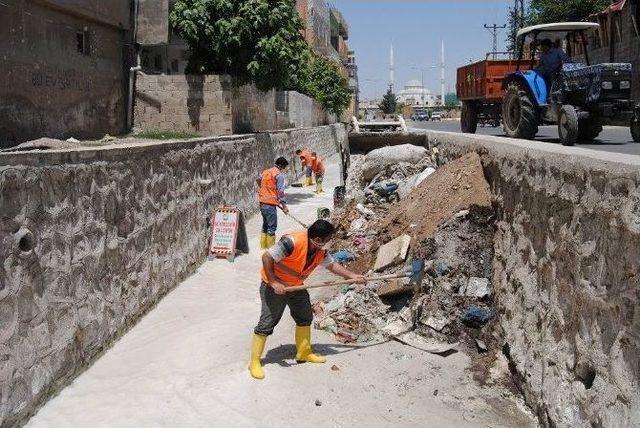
228,234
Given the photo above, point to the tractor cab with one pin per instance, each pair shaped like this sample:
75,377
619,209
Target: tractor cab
556,89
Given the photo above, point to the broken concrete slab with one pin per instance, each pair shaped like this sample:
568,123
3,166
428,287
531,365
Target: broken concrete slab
438,323
394,287
477,287
392,253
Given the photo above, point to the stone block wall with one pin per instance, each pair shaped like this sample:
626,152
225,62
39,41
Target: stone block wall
210,105
91,239
566,272
566,275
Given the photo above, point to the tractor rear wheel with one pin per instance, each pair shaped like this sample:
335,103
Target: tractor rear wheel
568,125
589,129
519,113
469,117
635,130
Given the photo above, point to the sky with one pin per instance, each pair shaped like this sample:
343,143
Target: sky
416,28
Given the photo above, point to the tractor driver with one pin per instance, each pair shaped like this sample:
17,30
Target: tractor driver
551,60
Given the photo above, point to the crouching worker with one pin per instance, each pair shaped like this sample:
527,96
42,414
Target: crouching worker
305,160
271,185
285,267
317,166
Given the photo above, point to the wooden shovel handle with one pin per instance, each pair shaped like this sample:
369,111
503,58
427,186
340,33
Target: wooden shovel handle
349,281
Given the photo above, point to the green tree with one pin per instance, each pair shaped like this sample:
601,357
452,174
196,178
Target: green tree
451,100
547,11
255,41
323,81
389,104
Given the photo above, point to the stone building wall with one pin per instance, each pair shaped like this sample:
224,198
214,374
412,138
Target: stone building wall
64,69
92,238
210,105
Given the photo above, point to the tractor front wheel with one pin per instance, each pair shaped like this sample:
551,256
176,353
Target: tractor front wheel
568,125
469,117
635,129
519,114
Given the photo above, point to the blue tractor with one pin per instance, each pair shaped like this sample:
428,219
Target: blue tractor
581,97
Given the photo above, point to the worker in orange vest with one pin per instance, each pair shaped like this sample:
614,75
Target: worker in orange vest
271,185
284,267
305,160
317,167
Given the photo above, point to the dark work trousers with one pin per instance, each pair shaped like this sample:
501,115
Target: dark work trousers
273,306
269,219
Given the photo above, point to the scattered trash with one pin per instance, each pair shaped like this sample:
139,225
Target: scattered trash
441,268
358,224
392,253
297,185
365,211
108,138
335,368
324,213
318,402
476,316
343,256
476,287
435,392
414,181
481,346
436,323
72,140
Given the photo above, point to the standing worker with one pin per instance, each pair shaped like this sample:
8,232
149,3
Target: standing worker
317,166
286,266
305,159
271,196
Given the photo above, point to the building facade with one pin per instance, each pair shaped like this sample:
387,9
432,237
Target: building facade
65,65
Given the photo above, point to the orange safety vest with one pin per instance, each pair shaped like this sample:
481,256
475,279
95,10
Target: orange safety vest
268,191
317,166
291,270
305,157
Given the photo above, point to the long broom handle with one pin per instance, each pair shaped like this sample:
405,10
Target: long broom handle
349,281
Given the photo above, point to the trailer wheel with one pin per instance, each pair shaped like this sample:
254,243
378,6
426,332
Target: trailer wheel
469,117
568,125
589,129
519,114
635,129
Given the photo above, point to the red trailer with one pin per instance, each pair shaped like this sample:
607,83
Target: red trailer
479,87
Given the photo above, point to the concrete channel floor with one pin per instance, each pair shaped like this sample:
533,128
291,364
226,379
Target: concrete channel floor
185,364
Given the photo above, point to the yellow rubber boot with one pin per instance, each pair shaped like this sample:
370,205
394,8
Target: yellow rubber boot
303,347
318,187
271,241
257,347
263,241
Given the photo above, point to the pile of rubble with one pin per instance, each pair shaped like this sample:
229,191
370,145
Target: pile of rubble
400,206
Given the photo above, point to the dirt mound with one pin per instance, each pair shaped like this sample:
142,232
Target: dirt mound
455,186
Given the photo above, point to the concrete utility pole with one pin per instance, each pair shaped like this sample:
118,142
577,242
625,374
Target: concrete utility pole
518,22
493,29
442,75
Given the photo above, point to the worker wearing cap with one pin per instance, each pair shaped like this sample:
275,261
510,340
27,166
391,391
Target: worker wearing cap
271,185
284,267
317,167
305,159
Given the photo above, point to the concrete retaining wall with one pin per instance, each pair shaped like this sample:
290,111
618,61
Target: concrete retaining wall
91,239
566,274
211,105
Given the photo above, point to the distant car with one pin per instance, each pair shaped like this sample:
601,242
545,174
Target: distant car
436,117
420,116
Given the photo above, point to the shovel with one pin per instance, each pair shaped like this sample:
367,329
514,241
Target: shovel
415,275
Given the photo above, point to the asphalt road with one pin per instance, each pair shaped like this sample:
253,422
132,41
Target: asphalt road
612,139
